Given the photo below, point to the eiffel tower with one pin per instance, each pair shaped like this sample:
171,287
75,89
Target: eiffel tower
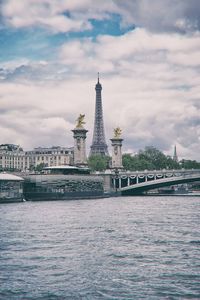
98,143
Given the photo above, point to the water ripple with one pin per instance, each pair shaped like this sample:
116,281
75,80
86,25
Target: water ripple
119,249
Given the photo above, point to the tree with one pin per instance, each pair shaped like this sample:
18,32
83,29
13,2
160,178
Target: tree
40,167
189,164
136,163
128,161
154,156
149,159
172,164
98,162
158,159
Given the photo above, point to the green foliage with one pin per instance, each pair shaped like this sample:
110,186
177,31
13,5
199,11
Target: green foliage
157,159
31,168
134,163
98,162
189,164
128,161
149,159
39,167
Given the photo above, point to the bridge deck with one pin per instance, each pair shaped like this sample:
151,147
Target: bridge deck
139,182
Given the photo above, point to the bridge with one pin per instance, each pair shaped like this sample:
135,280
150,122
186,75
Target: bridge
139,182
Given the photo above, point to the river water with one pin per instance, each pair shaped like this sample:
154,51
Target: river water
114,248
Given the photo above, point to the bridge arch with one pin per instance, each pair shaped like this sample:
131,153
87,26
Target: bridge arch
140,182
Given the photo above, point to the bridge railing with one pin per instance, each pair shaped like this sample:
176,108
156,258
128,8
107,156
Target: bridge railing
163,171
123,179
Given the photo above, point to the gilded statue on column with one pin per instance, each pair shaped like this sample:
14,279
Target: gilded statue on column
80,121
117,133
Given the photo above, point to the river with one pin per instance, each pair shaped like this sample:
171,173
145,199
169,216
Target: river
113,248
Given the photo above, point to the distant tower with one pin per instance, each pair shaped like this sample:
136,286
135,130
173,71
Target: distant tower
117,149
79,142
175,157
98,143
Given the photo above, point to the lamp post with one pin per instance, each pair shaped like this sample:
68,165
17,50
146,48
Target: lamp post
116,177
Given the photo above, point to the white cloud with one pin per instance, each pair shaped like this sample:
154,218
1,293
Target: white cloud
184,58
35,114
49,14
65,15
109,52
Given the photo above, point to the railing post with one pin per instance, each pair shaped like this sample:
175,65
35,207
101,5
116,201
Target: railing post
116,177
114,183
120,183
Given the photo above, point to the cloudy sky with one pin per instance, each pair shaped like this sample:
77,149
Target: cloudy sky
148,56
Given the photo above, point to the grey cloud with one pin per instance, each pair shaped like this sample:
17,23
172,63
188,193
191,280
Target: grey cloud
166,134
35,71
158,15
157,139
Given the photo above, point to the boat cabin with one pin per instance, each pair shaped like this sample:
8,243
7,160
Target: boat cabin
66,170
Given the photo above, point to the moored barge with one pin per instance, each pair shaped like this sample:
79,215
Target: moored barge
11,188
63,183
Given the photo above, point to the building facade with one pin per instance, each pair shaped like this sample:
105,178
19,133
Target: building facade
13,157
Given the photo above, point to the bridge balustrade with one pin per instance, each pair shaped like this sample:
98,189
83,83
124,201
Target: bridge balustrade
125,179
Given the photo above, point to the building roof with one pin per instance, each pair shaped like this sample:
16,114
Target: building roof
65,167
6,176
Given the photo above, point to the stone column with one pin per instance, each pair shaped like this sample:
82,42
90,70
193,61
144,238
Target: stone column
117,153
79,146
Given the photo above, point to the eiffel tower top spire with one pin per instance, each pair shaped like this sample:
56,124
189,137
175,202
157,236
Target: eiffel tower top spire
98,85
98,143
